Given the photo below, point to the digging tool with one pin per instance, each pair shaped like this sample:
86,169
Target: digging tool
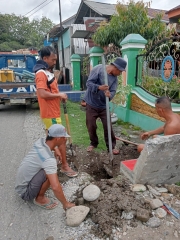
126,141
68,127
108,112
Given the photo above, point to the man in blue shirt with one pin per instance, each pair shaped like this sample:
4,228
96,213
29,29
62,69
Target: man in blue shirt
95,98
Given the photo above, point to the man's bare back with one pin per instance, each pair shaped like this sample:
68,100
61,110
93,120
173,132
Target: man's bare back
172,126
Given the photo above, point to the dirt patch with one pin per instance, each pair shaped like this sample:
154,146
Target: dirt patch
115,199
98,165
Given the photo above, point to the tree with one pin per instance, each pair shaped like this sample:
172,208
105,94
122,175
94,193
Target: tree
38,30
18,32
131,18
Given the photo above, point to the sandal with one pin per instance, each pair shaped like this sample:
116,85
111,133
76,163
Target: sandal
90,148
70,174
48,206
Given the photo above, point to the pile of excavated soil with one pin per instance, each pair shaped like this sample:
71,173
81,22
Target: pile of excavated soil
116,198
118,206
116,195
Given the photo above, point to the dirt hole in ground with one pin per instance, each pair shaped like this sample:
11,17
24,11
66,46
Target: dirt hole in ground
98,165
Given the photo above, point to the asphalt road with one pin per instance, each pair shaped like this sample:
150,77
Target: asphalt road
20,220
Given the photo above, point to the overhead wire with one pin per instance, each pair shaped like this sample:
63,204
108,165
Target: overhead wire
39,9
34,8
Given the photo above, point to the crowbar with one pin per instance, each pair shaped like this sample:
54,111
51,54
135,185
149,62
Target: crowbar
108,112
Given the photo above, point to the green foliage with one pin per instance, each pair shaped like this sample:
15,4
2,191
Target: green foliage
121,95
158,87
79,133
130,18
18,32
136,128
127,125
85,66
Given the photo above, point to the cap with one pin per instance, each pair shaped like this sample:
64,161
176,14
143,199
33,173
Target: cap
120,63
57,130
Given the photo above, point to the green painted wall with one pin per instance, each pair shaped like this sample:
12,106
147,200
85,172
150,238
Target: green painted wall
138,119
66,40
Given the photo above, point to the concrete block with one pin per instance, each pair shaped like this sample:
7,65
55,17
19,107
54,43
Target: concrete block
127,168
158,163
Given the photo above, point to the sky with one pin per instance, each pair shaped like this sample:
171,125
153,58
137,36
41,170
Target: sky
50,8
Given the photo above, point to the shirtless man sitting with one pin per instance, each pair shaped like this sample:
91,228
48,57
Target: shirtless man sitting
171,126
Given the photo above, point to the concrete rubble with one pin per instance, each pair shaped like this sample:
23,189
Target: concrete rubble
158,163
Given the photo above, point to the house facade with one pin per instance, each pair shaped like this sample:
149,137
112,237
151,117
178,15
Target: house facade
78,29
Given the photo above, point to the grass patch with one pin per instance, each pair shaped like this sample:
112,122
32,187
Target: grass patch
136,128
125,133
178,184
79,133
77,122
127,125
123,124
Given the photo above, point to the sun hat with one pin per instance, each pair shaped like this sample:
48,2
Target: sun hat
57,130
120,63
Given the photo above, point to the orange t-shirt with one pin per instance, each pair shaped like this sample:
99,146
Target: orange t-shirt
49,108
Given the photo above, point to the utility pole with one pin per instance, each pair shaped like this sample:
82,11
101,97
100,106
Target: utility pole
62,45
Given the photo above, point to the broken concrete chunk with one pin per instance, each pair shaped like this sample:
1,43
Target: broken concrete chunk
153,191
158,163
155,203
154,222
174,189
161,189
75,215
138,188
166,196
91,192
127,216
160,213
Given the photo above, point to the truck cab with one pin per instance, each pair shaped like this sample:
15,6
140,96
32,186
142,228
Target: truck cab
17,62
17,80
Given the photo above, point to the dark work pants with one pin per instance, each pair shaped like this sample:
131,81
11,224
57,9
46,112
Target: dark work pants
91,116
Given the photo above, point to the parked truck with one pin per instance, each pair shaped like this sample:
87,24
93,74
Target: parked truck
17,80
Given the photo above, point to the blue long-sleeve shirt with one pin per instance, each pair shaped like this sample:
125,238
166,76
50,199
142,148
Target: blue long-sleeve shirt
95,97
